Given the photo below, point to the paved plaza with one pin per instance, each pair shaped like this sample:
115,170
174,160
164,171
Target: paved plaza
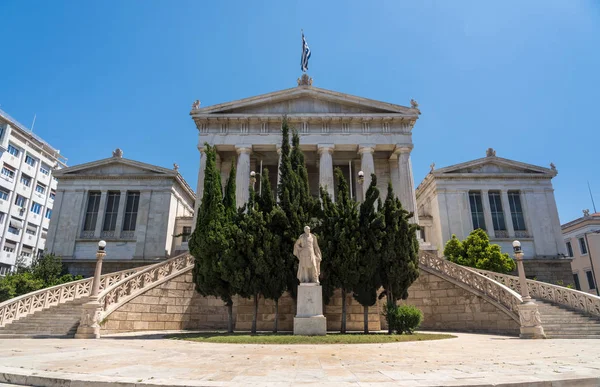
147,359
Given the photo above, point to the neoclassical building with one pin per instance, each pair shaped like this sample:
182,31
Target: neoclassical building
139,209
506,198
336,129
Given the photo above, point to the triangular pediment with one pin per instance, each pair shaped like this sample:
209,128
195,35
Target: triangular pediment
115,166
493,165
305,100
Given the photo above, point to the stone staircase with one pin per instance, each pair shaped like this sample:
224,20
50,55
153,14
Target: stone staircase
561,322
59,321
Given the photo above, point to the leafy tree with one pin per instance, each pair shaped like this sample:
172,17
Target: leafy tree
210,240
399,250
372,226
476,251
44,272
344,248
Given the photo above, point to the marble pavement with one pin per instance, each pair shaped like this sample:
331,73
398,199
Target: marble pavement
137,360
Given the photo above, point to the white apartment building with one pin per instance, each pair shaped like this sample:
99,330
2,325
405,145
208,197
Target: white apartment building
27,192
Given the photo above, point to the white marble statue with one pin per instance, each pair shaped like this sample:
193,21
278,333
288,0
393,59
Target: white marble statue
306,249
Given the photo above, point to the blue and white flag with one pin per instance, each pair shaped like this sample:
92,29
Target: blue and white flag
305,54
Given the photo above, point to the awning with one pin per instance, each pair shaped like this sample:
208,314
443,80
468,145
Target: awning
32,228
27,249
16,223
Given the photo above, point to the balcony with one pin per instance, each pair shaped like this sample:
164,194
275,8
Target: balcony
522,234
501,234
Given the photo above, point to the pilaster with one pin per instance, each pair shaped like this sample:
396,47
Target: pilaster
326,178
121,212
507,216
487,213
242,176
101,211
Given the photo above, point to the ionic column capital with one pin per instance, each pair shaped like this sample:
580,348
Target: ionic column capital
403,148
366,148
325,148
243,149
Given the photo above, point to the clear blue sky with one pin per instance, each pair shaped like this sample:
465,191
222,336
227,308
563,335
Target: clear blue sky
519,76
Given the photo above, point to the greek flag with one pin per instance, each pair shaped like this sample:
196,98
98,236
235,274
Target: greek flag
305,54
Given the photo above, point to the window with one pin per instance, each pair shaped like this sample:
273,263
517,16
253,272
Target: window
569,249
576,280
45,169
2,217
590,279
25,180
26,251
186,234
36,208
476,210
40,188
13,230
48,213
91,213
8,172
3,194
131,209
497,213
4,269
30,160
516,211
582,246
20,201
112,208
9,247
52,195
13,150
31,229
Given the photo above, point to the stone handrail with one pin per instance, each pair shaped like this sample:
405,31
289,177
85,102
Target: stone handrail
120,292
561,295
499,293
30,303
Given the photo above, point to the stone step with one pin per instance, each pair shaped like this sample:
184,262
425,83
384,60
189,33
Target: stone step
575,336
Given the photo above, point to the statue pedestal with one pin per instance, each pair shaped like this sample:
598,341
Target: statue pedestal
309,320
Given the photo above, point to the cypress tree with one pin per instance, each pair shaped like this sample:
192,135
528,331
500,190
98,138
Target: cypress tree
273,265
229,197
372,225
344,247
399,250
210,239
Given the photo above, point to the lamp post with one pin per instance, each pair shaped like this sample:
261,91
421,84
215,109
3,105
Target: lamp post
89,327
529,316
361,177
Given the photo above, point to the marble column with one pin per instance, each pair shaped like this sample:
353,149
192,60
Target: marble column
242,174
367,165
487,213
200,185
507,216
326,179
406,194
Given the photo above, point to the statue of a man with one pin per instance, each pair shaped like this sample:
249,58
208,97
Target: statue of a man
306,249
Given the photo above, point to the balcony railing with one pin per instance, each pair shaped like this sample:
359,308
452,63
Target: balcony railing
522,234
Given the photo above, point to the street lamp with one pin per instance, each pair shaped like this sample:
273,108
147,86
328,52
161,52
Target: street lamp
361,177
252,178
91,314
529,316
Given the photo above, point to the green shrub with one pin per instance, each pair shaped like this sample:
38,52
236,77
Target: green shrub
404,318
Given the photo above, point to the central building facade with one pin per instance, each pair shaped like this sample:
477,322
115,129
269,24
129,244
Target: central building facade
336,130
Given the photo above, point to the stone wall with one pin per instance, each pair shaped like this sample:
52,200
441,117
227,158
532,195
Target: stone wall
175,305
86,267
552,271
448,307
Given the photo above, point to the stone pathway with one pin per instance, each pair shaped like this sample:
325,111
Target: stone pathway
144,359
